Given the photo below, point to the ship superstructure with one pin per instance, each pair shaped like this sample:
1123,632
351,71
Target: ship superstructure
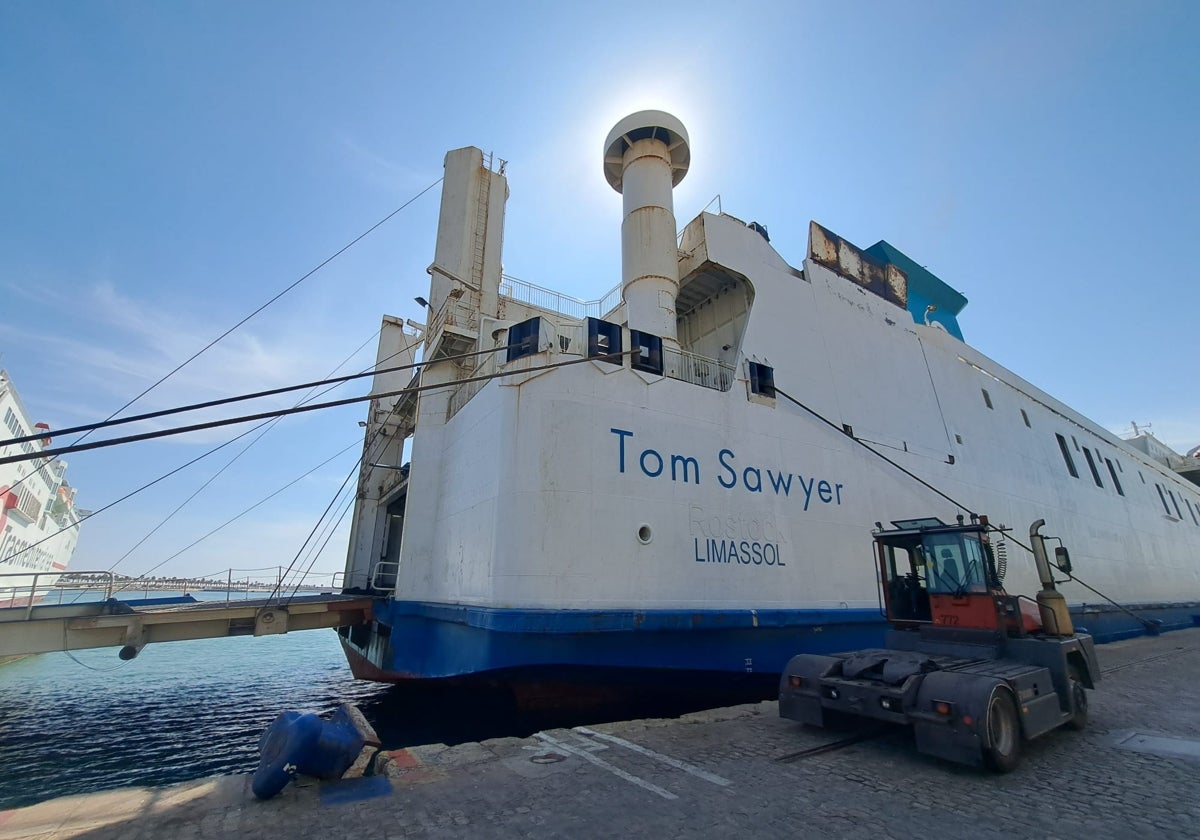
1187,466
683,474
39,523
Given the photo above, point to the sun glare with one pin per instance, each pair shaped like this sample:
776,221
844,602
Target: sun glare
671,96
675,95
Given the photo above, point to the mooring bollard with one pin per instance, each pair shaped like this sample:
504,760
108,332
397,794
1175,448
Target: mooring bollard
298,743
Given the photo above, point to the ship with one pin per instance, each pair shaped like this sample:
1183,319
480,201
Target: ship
682,477
39,523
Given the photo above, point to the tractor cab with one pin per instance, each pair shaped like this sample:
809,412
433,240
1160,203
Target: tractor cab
946,575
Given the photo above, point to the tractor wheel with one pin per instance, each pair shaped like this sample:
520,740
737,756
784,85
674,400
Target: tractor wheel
1079,700
1004,733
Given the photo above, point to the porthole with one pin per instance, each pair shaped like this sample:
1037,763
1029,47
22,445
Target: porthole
644,534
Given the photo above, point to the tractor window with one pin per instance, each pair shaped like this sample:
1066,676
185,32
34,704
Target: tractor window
904,578
954,564
976,565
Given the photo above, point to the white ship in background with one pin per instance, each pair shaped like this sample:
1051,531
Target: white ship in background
36,502
1187,466
707,504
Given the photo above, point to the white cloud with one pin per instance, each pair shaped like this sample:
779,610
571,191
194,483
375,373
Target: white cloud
380,171
132,344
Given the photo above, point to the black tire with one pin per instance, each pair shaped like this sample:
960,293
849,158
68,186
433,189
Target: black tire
1079,700
1003,753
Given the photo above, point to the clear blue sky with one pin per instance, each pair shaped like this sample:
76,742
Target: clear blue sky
167,167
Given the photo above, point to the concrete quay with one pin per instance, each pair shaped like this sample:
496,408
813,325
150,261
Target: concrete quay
1134,772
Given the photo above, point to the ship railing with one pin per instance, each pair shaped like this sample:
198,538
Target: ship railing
543,298
462,395
461,311
28,589
698,370
242,583
71,586
383,576
493,163
681,365
610,301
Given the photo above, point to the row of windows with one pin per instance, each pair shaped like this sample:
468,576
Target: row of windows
44,475
1094,461
1098,464
1165,493
604,343
14,426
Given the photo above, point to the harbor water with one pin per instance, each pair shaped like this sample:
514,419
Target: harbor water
74,723
86,721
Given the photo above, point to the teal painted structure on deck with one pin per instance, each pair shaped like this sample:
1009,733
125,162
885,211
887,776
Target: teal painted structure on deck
924,288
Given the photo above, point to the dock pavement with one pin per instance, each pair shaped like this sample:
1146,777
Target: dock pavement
1133,773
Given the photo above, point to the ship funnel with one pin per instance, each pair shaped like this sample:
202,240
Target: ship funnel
645,156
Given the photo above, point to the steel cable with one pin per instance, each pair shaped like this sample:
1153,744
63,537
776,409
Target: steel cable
249,418
1146,623
271,392
293,285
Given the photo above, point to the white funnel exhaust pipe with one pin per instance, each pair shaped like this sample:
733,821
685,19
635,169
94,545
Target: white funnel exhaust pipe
645,156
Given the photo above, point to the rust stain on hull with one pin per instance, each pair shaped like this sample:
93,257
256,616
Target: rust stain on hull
847,260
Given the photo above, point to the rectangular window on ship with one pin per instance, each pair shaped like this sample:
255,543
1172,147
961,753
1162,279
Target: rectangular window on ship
1113,473
1066,453
1087,453
1178,512
1162,497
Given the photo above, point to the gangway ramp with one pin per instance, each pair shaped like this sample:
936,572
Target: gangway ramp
44,628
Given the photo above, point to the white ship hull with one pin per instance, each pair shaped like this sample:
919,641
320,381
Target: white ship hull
594,516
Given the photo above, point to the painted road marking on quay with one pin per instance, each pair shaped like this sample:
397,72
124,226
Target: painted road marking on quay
698,772
601,763
1171,746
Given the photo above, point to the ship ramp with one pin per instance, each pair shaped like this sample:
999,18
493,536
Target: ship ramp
42,628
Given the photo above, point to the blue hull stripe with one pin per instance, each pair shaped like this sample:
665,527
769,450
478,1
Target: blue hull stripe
430,641
617,621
